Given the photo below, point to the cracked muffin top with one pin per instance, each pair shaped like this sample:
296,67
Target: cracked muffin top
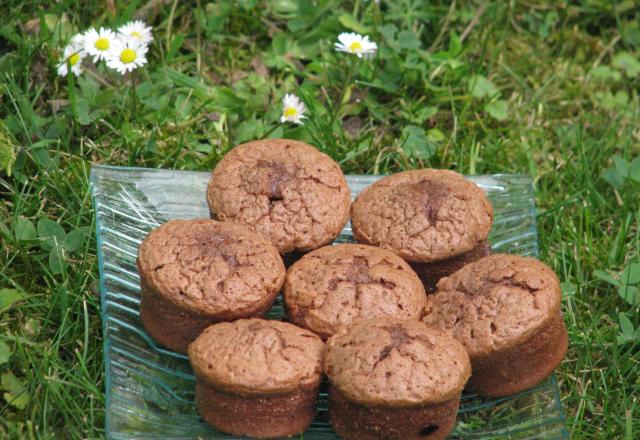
284,189
337,285
495,302
211,267
257,356
392,362
422,215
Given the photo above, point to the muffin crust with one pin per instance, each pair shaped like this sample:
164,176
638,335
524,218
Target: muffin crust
422,215
257,356
256,377
284,189
495,302
197,272
395,380
505,309
395,363
336,285
209,266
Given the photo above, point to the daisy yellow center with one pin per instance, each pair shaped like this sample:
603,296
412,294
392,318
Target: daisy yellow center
356,46
128,56
102,44
290,112
73,59
136,34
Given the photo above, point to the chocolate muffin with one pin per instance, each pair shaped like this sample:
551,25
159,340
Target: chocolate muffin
337,285
286,190
257,377
395,380
194,273
434,219
505,309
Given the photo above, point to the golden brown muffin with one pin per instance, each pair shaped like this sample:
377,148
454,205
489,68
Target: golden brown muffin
257,377
197,272
434,219
285,190
394,379
505,309
336,285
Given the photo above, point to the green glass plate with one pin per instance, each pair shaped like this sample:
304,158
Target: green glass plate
149,390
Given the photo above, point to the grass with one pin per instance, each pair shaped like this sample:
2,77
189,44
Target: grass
545,88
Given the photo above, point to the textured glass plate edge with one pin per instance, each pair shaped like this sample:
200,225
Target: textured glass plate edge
108,169
106,342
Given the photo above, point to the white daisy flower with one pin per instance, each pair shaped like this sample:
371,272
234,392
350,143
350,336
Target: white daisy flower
98,43
126,55
72,56
138,30
356,44
292,109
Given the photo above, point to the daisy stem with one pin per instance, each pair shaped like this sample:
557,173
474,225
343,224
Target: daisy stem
377,17
343,93
134,98
271,130
170,24
356,7
71,89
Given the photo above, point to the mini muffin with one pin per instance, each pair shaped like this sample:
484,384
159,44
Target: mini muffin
256,377
435,219
284,189
394,380
337,285
194,273
505,309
